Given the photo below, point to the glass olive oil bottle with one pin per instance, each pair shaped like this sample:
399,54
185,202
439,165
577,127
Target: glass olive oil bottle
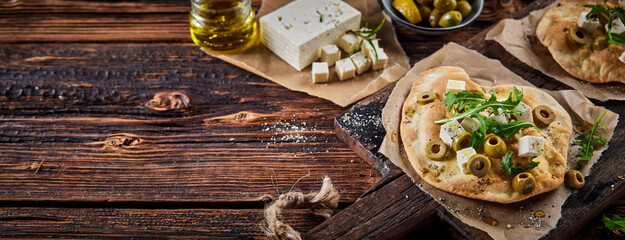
224,26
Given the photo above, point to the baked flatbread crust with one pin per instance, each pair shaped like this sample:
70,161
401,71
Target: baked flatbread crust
600,66
418,127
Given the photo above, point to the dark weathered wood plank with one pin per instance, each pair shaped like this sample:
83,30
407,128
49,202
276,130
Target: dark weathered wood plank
34,222
90,122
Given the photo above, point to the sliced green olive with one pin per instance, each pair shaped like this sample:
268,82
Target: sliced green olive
523,183
494,146
574,179
425,10
543,115
445,5
464,8
479,165
435,15
426,97
577,35
436,149
599,43
461,141
450,19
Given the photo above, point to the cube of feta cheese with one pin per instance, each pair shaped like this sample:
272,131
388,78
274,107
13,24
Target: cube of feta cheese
320,72
530,146
470,124
589,25
330,54
523,113
382,60
364,29
449,131
500,118
617,26
348,42
295,33
462,157
345,69
455,86
622,57
368,49
361,62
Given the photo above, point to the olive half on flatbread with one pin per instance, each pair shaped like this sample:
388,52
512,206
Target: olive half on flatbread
581,61
418,128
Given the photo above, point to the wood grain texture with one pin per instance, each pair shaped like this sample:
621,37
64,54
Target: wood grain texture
99,124
33,222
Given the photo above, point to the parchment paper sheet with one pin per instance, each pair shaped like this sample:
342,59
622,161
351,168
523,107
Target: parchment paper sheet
519,215
518,38
264,63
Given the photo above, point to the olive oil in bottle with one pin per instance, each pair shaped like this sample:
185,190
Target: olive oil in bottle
224,26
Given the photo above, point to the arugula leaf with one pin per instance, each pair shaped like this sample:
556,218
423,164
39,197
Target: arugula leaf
615,223
478,137
463,99
508,130
513,169
509,104
618,12
589,138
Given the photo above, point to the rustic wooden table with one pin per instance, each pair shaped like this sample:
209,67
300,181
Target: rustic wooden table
113,124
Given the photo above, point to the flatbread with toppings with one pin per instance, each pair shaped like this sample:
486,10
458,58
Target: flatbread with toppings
460,137
578,43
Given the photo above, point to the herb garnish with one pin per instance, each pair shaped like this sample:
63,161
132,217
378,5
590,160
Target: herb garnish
589,138
603,9
366,35
470,104
615,223
514,169
320,16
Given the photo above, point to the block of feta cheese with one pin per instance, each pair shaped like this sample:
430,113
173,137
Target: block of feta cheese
330,54
382,60
617,26
622,57
345,69
470,124
531,146
297,31
455,86
320,72
348,41
449,131
462,157
361,62
500,118
589,25
523,113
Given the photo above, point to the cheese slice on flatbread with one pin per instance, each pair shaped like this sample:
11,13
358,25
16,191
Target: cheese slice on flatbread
581,61
418,127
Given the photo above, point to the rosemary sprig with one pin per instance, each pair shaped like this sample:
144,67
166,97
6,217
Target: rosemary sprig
366,35
320,16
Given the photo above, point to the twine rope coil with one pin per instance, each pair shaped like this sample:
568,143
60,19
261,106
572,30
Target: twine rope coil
321,203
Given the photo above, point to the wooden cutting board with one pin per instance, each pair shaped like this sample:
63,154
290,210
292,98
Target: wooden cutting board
395,206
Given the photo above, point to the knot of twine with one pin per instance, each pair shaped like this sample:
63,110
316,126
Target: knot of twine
321,203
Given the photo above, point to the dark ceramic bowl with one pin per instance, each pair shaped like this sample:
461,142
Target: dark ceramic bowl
421,28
